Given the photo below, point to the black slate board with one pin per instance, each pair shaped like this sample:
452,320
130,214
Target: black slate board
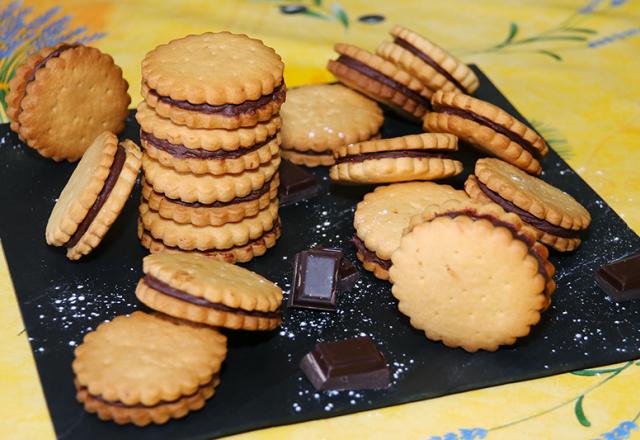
261,383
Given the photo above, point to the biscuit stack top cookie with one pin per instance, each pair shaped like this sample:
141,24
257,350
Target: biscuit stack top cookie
210,131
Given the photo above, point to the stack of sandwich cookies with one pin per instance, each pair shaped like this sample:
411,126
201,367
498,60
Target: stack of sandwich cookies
471,275
557,218
383,215
144,369
317,119
436,68
94,196
208,291
412,157
210,167
62,97
381,80
488,128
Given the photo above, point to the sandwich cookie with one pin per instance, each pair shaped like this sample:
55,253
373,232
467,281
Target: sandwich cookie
144,369
413,157
62,97
487,127
209,291
317,119
214,80
212,214
206,188
200,151
380,80
471,275
436,68
189,237
557,218
94,195
383,215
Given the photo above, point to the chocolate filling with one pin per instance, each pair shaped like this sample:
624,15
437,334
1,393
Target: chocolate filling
529,218
516,234
368,255
109,183
390,154
181,152
427,59
492,125
166,289
119,404
253,195
384,79
227,110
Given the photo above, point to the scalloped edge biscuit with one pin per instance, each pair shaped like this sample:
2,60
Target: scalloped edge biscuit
206,139
378,271
190,237
389,170
422,141
206,188
247,161
308,160
237,254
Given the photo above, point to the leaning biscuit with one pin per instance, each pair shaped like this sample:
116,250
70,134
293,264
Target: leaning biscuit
488,128
144,369
209,291
382,216
404,158
471,275
431,64
94,196
556,217
214,80
61,98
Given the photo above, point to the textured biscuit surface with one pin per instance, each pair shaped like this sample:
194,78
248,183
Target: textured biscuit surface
468,282
322,117
308,160
72,98
382,216
143,359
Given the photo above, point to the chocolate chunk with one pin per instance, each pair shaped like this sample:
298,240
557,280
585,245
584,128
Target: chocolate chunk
348,274
295,184
621,279
352,364
315,279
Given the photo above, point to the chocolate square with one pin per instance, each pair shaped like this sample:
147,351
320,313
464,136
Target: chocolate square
315,279
621,279
296,184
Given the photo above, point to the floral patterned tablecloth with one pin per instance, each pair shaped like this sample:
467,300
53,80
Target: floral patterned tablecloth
570,66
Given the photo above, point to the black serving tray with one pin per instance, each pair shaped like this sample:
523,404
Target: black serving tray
261,382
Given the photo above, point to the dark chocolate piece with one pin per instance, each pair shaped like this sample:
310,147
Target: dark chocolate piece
181,152
369,255
348,274
384,79
352,364
392,154
466,114
531,219
315,279
109,183
295,184
427,59
168,290
621,279
228,110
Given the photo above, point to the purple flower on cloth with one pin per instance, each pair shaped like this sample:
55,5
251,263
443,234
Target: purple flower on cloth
613,37
620,432
462,434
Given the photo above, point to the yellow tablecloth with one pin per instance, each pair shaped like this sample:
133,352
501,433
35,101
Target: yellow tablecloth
570,66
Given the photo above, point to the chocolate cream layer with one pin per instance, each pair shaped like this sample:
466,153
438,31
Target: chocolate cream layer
529,218
227,110
393,154
514,231
427,59
528,146
168,290
372,73
120,404
181,152
253,195
109,183
369,255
